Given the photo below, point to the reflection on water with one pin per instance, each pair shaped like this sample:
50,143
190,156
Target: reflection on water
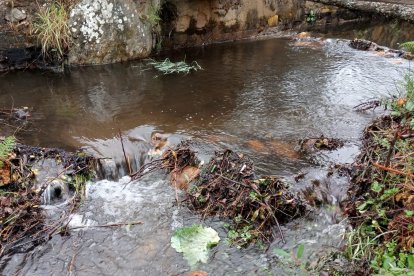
258,98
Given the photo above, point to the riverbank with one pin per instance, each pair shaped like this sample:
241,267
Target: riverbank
381,195
32,178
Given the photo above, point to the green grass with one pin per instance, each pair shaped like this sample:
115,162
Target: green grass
408,46
52,29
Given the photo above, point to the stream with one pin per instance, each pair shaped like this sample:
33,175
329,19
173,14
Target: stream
259,98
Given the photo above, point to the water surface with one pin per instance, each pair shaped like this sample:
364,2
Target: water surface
259,98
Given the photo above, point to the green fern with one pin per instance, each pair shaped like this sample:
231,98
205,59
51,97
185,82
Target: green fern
152,16
6,147
408,46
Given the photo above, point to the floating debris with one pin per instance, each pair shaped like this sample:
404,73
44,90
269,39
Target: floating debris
321,143
368,105
168,67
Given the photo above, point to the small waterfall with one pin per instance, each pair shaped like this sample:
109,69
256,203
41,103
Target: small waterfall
56,191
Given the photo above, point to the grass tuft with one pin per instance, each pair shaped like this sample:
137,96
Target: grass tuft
52,29
408,46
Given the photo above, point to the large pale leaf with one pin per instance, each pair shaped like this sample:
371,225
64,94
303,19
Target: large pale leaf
194,242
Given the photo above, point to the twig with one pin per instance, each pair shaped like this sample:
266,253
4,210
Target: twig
382,167
277,224
392,145
125,156
372,104
108,225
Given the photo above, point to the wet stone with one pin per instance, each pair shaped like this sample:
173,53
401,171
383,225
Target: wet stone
15,16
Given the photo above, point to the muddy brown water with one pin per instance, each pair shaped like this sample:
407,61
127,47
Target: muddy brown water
259,98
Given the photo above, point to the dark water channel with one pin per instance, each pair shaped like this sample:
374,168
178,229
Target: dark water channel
259,98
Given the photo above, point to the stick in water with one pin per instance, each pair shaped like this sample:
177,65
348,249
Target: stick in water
108,225
125,156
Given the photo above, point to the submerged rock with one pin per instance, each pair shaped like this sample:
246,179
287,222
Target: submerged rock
107,31
362,44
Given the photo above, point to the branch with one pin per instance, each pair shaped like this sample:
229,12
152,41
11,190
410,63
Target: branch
388,169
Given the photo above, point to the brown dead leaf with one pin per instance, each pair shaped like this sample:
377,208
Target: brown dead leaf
303,35
5,201
183,178
5,174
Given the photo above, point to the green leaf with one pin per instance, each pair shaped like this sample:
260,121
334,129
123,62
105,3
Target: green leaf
396,113
194,242
409,213
361,208
376,187
281,253
410,260
409,106
301,249
389,193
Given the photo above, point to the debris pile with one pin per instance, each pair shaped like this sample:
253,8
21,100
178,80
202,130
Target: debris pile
174,161
167,67
320,143
227,187
22,220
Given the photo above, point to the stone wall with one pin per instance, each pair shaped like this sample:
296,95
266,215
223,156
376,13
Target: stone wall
196,22
107,31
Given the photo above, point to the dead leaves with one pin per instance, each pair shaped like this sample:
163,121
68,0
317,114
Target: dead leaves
5,174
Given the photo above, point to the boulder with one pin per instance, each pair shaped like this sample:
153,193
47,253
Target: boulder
108,31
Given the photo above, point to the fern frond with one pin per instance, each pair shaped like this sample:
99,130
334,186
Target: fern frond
6,147
408,46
